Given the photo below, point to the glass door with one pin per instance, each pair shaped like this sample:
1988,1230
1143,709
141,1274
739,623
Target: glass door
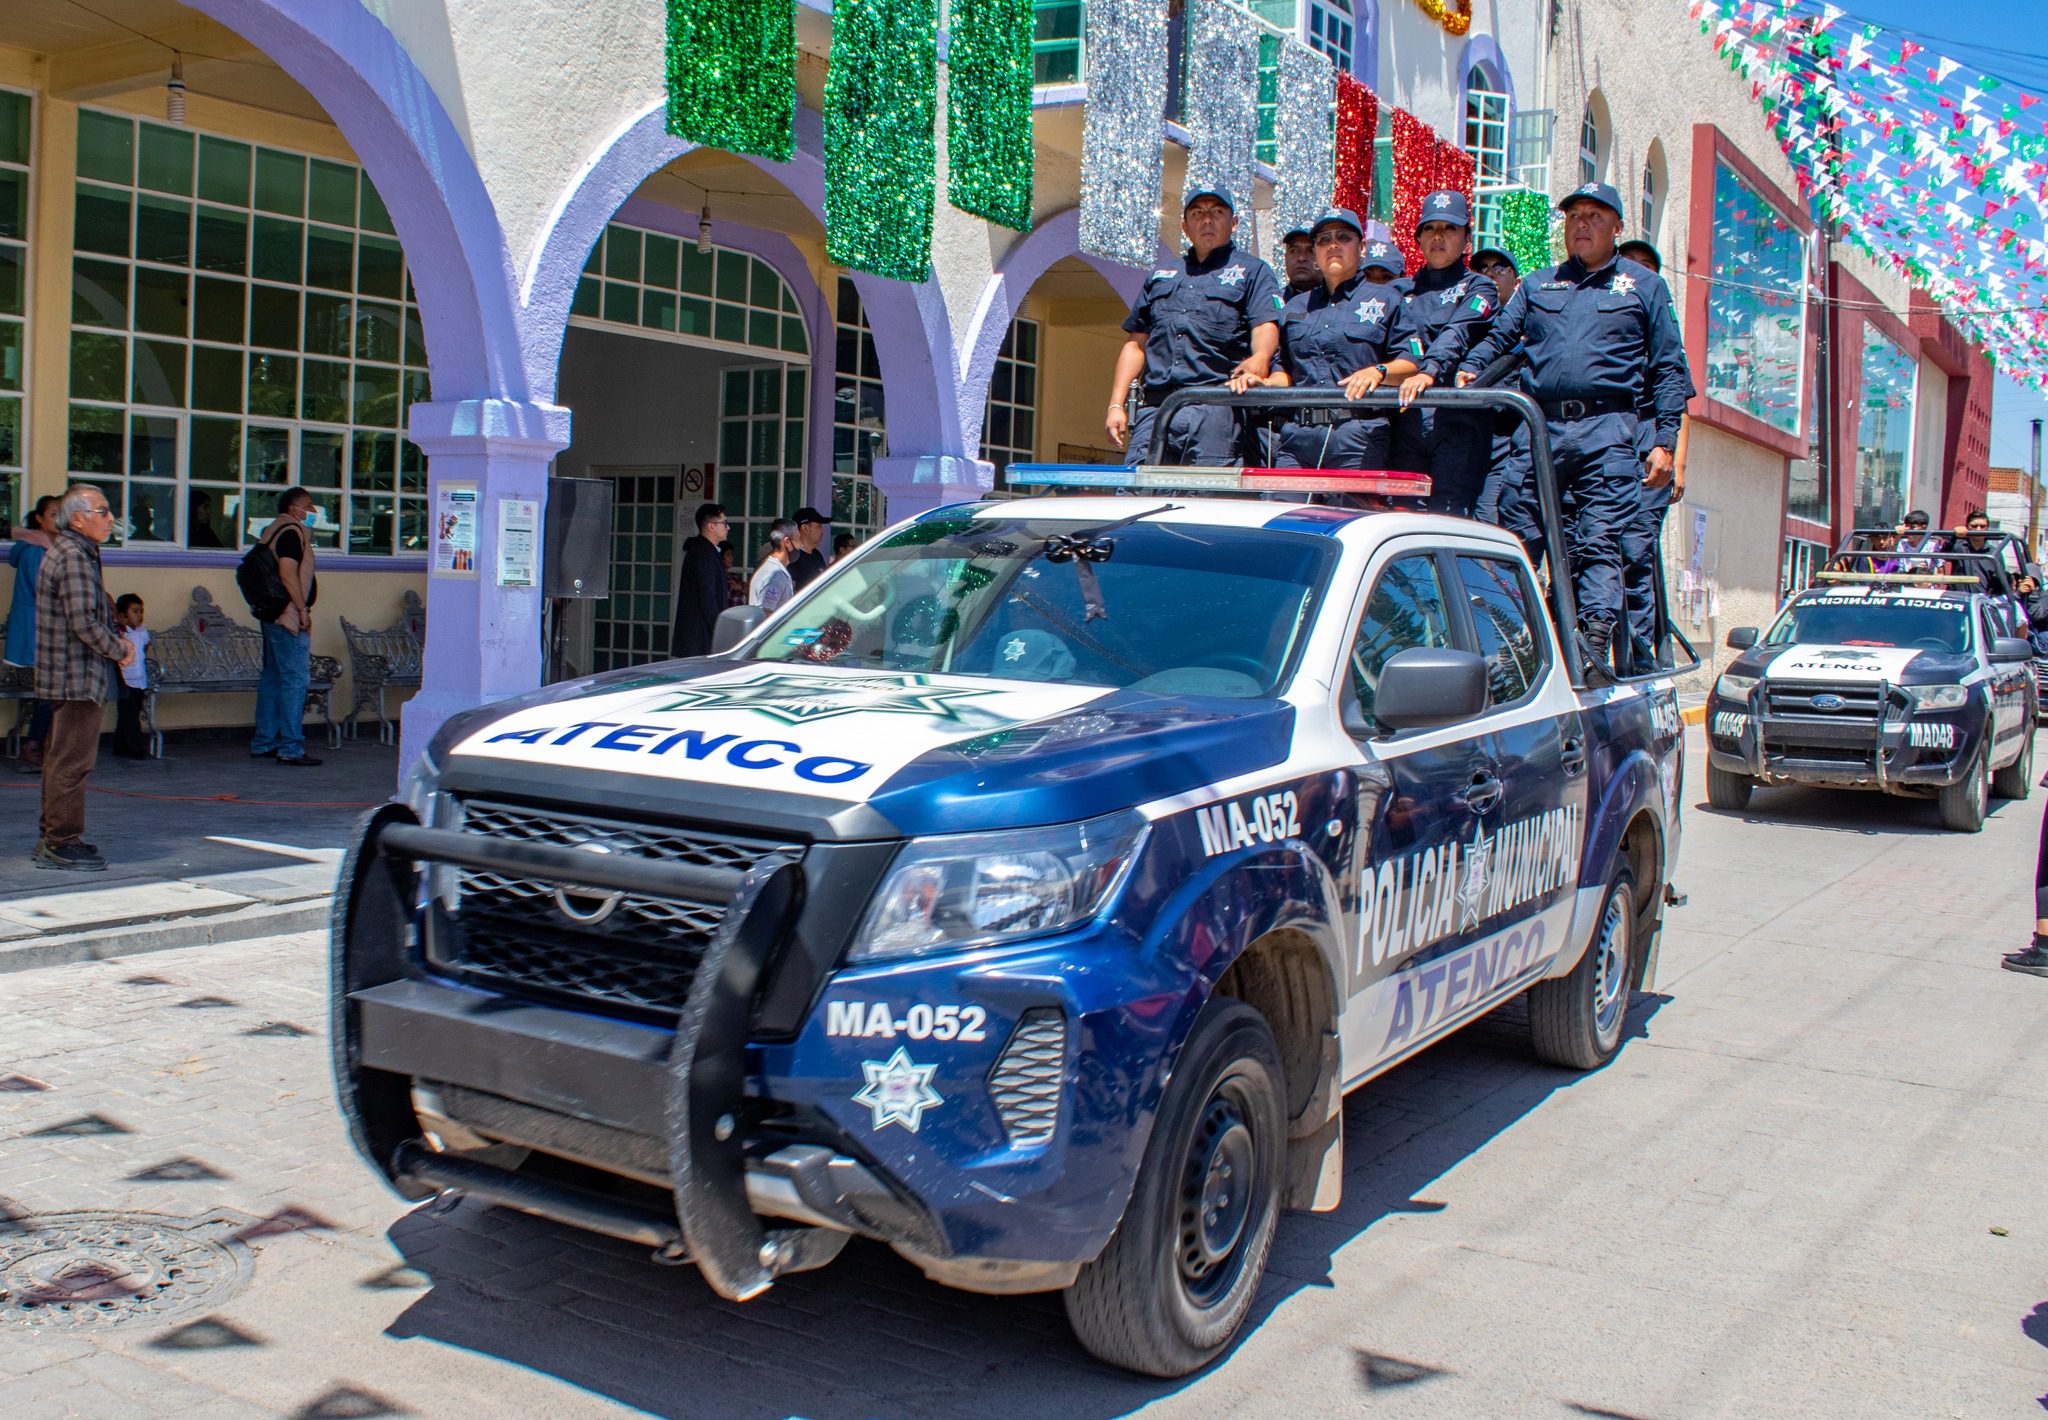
634,624
761,442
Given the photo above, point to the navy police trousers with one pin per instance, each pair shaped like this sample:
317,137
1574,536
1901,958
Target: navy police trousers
1599,476
1198,434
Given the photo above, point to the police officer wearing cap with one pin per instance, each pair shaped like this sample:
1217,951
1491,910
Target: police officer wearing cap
1298,257
1657,494
1348,331
1452,306
1382,262
1506,499
1209,320
1602,343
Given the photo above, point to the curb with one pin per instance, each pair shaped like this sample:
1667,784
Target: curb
99,944
1693,715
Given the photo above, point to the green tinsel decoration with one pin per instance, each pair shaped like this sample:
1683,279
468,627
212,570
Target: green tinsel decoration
881,152
732,75
1525,230
988,110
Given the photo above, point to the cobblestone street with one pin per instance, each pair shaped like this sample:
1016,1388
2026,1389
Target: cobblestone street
1810,1186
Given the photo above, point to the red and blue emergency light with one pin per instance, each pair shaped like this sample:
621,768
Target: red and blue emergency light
1191,478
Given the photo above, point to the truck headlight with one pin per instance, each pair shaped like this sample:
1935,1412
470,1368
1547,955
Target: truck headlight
1734,687
1938,697
980,889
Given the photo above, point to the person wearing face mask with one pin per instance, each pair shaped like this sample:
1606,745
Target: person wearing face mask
1349,332
1208,320
1603,350
1452,306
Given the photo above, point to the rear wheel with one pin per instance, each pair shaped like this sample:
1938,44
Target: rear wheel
1174,1284
1576,1020
2017,779
1728,790
1964,804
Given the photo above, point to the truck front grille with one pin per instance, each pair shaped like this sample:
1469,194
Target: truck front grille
1025,1083
634,955
1860,703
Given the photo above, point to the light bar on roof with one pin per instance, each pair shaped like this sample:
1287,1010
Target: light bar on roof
1191,478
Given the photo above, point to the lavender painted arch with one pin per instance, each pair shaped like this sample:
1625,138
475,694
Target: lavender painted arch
400,132
1483,52
912,332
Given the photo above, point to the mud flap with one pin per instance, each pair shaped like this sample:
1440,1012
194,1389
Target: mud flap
707,1094
370,939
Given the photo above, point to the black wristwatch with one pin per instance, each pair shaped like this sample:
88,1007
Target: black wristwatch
1382,368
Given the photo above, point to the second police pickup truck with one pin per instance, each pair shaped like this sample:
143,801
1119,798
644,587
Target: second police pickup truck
1025,894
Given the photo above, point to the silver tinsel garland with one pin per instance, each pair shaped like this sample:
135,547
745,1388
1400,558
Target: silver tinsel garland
1305,160
1221,107
1122,161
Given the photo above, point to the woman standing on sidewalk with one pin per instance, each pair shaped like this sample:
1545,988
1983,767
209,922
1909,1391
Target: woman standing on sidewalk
31,541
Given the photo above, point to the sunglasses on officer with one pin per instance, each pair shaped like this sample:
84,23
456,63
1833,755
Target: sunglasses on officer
1336,236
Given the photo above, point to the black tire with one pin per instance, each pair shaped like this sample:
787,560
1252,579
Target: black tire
1576,1021
1965,803
1727,789
1163,1299
2016,780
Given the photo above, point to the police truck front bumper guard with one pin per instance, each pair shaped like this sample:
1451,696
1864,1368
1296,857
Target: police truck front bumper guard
687,1089
1868,749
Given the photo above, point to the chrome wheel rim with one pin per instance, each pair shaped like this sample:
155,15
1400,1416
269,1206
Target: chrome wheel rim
1610,968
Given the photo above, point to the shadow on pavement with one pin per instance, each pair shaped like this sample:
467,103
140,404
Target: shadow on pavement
870,1336
1860,811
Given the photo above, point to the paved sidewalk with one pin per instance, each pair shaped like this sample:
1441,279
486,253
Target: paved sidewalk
206,845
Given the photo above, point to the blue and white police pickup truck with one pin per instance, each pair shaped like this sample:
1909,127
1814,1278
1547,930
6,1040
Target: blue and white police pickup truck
1025,894
1904,681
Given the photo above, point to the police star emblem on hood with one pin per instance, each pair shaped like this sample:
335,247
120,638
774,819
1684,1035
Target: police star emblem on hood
800,699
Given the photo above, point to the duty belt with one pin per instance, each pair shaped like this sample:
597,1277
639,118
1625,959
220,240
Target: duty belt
1587,408
1318,418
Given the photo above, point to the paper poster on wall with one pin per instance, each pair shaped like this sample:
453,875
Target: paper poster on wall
455,530
518,539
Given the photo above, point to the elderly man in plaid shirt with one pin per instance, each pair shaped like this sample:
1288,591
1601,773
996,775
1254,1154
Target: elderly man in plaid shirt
77,649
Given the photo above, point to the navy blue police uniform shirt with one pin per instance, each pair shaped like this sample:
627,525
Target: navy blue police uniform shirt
1326,337
1197,317
1609,335
1452,308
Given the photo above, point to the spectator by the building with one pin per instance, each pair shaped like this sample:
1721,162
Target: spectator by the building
288,639
842,543
31,541
129,741
772,584
806,562
701,594
76,644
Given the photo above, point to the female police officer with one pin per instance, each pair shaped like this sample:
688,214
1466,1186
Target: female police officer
1208,319
1347,331
1452,306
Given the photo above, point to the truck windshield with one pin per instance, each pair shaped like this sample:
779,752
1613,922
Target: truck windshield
1925,623
1169,608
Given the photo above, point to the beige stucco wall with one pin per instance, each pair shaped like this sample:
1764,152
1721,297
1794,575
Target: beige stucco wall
1930,428
1740,487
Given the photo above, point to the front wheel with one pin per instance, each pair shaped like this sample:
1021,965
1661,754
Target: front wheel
1575,1020
1174,1284
1965,803
1728,790
2017,779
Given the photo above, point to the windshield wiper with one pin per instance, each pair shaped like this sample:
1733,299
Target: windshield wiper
1086,548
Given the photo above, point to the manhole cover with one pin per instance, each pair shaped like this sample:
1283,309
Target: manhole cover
112,1269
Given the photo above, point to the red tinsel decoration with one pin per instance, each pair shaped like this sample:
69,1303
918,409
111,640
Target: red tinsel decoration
1456,171
1358,123
1415,163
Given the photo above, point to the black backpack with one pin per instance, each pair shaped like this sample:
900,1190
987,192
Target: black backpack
260,580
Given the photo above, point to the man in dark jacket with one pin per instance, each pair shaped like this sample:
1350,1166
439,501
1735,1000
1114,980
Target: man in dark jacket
700,595
76,649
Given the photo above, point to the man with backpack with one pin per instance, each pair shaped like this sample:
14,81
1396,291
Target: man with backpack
276,578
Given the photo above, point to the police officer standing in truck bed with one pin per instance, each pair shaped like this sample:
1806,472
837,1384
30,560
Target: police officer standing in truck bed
1348,331
1452,306
1602,340
1208,319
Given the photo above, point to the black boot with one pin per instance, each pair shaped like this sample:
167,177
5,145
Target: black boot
2033,961
1595,650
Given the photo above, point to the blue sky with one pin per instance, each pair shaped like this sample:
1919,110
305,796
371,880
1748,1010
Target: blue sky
2004,37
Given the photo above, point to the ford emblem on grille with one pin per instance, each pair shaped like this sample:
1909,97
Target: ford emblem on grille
588,906
1828,702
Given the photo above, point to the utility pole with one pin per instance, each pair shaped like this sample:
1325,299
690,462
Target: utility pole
2034,499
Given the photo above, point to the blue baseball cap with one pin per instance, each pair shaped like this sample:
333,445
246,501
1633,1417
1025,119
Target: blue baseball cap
1215,190
1337,216
1384,254
1303,228
1484,254
1598,192
1445,206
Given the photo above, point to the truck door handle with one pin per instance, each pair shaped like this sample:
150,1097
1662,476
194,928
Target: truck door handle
1483,794
1573,757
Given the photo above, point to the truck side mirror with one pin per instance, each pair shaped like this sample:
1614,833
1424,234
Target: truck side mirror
735,624
1427,686
2005,650
1742,638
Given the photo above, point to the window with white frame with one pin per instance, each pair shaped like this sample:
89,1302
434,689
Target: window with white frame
859,420
1589,146
1486,139
1009,425
1333,30
15,150
241,321
653,283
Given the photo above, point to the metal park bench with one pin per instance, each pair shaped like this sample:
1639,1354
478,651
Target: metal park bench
385,660
209,653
